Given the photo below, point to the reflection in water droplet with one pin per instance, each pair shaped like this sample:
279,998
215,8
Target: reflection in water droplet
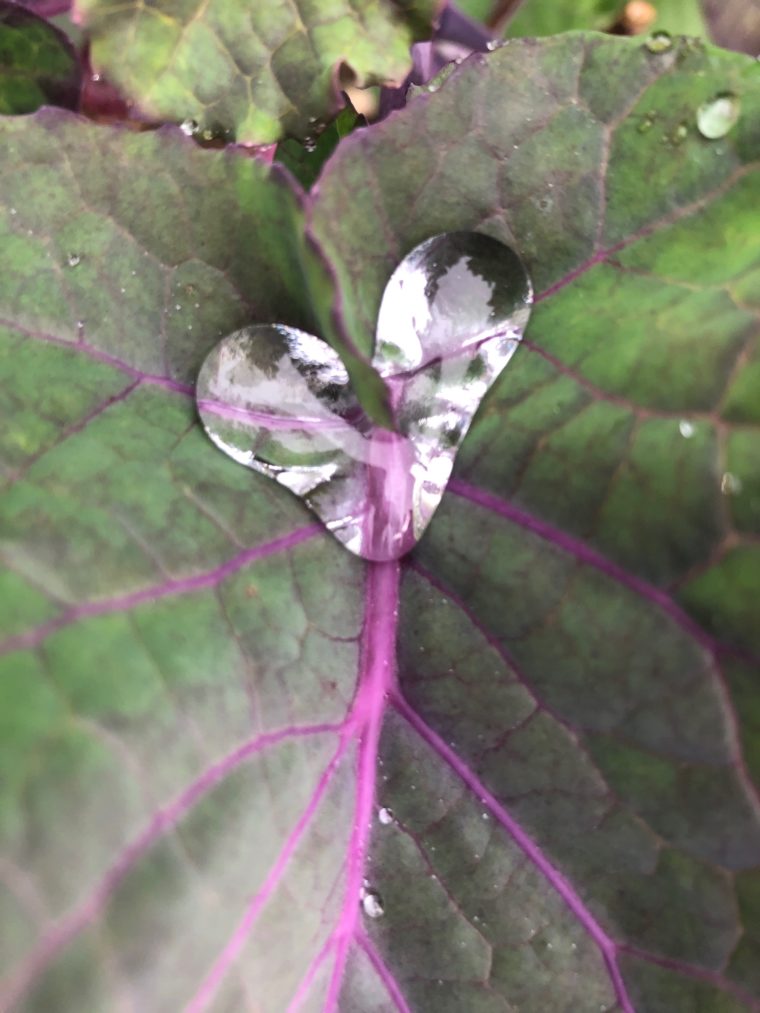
659,42
278,400
372,904
686,429
730,484
385,816
716,117
188,127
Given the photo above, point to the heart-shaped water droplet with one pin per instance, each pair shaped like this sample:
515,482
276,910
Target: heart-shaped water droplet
278,400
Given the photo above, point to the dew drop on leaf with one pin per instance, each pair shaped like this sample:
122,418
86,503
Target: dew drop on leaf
385,816
73,259
372,903
716,117
730,484
686,429
189,127
659,42
279,400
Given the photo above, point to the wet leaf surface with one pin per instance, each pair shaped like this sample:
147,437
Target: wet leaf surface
207,703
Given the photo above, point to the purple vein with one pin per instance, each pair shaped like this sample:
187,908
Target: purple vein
493,642
646,230
163,821
210,984
527,845
99,355
377,677
690,971
186,585
391,985
588,557
74,428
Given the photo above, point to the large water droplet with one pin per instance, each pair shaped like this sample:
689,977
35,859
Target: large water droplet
372,903
716,117
659,42
278,400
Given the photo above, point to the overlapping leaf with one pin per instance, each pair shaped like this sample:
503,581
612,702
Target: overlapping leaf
252,71
554,701
37,63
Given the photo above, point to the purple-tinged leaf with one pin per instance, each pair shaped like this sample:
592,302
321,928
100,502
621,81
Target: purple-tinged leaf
207,703
38,65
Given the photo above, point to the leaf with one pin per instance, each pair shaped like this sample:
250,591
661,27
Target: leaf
536,18
554,700
259,70
38,65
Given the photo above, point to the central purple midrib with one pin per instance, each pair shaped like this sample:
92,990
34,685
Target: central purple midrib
198,582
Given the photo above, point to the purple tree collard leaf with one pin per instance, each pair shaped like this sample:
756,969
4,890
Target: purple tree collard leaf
253,71
279,401
38,64
517,769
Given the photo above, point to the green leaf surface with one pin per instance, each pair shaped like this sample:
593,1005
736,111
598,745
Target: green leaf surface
537,17
257,71
38,65
536,738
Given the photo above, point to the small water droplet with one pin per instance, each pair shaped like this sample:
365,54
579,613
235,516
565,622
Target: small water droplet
730,484
716,117
73,259
646,123
659,42
686,429
189,127
177,306
385,816
96,77
680,133
492,44
13,211
122,290
485,816
372,904
310,144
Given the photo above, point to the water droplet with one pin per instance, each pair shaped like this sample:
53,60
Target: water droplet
13,211
686,429
659,42
485,816
95,77
646,123
680,133
385,816
73,259
189,127
177,306
716,117
372,903
492,44
278,400
730,484
310,144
